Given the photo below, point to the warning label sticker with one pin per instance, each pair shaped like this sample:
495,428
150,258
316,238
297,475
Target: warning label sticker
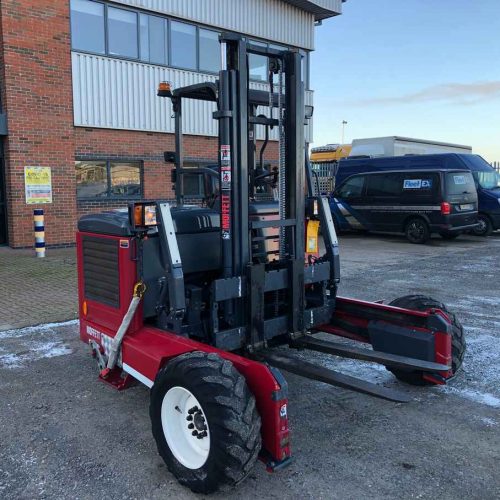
226,179
225,154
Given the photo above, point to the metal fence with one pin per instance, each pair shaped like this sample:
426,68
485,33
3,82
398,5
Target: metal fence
323,176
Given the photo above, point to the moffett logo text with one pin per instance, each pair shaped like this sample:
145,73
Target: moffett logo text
226,212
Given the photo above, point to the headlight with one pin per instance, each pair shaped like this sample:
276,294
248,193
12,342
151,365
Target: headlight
143,215
150,215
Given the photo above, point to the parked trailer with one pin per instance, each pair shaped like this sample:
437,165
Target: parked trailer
400,146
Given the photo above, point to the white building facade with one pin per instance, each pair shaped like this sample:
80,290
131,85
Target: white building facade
122,49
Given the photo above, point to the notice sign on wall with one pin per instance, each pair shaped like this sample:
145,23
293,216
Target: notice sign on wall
38,185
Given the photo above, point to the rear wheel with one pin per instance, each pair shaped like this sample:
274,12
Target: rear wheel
485,227
417,231
205,421
458,344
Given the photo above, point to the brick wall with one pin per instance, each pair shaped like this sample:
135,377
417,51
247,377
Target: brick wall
38,102
39,109
2,67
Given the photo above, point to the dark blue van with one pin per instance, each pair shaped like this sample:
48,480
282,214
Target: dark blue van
486,178
416,202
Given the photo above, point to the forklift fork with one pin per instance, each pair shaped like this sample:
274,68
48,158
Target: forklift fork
292,364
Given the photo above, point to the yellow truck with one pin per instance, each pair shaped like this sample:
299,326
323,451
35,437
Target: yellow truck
324,162
330,153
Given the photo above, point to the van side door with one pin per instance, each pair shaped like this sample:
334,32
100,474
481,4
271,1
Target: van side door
383,195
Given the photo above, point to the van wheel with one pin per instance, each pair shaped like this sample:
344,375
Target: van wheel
449,236
417,231
485,227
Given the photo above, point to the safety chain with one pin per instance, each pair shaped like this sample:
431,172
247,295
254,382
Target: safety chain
281,160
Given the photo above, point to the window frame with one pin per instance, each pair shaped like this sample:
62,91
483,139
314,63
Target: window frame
167,41
105,20
138,30
197,46
169,19
263,44
108,162
199,28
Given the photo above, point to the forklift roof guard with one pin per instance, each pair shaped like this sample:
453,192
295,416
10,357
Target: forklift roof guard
207,91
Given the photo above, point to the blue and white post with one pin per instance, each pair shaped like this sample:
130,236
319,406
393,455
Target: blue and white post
39,232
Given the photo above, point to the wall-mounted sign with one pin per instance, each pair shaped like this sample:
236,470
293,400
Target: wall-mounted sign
38,185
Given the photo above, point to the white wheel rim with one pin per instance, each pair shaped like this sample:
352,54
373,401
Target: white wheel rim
183,421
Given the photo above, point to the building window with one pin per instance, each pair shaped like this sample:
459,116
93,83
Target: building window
122,33
100,28
209,51
258,64
87,26
158,40
108,179
154,39
144,36
183,43
125,179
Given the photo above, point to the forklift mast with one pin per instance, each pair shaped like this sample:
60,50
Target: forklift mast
287,275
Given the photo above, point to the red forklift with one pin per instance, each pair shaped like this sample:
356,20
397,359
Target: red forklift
205,305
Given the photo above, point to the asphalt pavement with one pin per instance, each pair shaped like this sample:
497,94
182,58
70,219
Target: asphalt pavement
65,435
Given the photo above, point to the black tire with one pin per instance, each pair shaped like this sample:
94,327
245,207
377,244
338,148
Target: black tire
417,231
449,236
485,228
231,415
458,344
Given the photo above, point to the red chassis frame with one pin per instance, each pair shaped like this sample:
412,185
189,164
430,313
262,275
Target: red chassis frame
146,350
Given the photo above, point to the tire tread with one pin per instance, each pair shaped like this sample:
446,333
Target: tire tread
234,415
420,302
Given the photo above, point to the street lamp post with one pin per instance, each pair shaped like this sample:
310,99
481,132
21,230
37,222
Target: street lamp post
344,123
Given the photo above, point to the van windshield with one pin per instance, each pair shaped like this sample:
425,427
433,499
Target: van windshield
460,183
484,174
487,180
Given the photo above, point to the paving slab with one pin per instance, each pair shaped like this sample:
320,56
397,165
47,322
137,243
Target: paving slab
34,290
